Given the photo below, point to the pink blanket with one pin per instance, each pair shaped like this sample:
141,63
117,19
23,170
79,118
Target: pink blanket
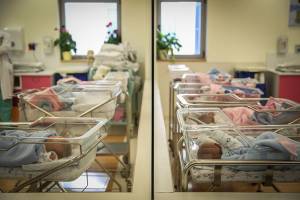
240,115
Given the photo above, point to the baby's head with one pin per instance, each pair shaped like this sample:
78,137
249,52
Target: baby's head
60,146
201,118
209,150
207,118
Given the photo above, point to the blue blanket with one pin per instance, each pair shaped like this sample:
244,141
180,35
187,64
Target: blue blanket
21,154
264,147
282,118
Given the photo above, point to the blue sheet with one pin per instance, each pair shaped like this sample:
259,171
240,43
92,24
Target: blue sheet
264,147
20,154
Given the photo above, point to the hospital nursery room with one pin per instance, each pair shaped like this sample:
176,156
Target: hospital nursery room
227,89
71,88
149,99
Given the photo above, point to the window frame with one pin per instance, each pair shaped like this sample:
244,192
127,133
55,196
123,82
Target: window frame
62,16
202,54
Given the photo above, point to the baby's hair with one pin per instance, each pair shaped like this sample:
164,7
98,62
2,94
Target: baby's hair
209,150
203,118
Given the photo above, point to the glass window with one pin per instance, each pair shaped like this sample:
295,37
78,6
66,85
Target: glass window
185,19
87,22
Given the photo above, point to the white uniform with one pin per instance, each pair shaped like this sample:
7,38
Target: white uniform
6,77
6,68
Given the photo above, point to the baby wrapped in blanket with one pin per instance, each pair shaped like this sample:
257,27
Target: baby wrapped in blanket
247,116
266,146
267,114
213,76
16,155
55,98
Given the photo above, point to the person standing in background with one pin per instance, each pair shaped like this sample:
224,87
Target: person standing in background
6,78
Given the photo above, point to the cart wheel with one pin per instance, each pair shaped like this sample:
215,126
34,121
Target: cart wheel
125,159
125,172
129,185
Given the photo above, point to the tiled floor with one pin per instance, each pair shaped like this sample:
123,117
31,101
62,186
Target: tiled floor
97,180
88,182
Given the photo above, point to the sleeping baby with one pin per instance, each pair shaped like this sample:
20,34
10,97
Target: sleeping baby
266,146
16,155
247,116
200,118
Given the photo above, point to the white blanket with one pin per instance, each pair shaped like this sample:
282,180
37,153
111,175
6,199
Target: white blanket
110,56
113,47
6,77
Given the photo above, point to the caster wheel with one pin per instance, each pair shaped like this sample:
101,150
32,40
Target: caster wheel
125,173
129,185
125,159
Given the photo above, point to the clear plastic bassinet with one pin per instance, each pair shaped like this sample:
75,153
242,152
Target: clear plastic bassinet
226,100
80,135
88,99
241,86
215,153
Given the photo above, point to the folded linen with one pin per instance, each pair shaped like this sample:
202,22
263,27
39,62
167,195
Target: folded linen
110,56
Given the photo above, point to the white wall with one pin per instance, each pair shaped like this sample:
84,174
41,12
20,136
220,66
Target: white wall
40,17
239,33
136,28
244,31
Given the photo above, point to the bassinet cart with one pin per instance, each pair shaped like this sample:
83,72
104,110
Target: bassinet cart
82,135
232,101
90,99
205,88
268,169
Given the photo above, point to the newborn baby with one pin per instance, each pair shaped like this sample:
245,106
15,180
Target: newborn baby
12,155
56,149
266,146
201,118
247,116
240,115
208,149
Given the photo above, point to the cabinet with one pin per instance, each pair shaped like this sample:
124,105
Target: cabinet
32,81
289,87
283,85
25,81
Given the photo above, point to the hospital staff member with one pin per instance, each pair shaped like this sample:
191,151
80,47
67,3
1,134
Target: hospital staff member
6,78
